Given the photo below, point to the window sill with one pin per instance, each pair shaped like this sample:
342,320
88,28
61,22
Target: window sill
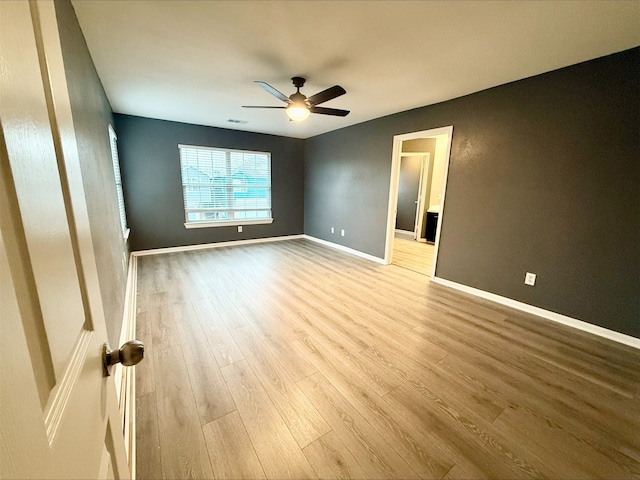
232,223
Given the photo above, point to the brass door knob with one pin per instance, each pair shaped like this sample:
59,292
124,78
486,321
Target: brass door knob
131,353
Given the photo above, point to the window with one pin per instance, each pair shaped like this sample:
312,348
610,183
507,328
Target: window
113,140
225,187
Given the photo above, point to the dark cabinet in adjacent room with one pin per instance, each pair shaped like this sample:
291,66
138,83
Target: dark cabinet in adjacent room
431,226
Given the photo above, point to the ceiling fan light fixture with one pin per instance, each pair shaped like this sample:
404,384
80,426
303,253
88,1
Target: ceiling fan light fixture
298,112
299,106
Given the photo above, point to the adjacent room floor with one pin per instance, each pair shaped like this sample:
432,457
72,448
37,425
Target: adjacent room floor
292,360
411,254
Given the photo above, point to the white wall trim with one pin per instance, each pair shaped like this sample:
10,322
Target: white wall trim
231,223
540,312
436,248
392,207
125,378
342,248
202,246
394,180
158,251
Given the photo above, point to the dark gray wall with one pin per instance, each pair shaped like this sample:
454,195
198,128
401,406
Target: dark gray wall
153,189
544,177
91,118
408,192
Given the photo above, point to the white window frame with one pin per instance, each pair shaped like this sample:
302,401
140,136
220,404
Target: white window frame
113,143
224,223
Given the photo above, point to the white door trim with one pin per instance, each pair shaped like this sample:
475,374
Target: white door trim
449,132
125,378
394,182
424,191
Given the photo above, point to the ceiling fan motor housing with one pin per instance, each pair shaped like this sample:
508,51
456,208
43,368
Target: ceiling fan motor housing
297,98
298,82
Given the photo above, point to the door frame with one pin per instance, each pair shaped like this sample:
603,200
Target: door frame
424,191
424,161
394,181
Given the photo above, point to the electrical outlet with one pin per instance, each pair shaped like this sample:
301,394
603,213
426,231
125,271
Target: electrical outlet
530,279
333,230
342,232
240,228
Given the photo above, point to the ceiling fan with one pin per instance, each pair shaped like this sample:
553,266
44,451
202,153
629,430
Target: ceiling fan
300,106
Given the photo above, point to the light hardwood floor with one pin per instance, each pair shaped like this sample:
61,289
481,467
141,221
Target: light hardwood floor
292,360
416,256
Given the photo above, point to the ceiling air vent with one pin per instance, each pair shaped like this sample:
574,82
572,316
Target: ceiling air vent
241,122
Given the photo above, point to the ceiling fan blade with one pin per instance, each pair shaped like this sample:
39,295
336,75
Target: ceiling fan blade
326,95
273,91
329,111
260,106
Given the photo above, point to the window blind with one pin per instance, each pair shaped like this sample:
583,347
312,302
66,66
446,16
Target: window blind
113,140
225,186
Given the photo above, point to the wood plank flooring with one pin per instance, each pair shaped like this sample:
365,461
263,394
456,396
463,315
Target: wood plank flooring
292,360
416,256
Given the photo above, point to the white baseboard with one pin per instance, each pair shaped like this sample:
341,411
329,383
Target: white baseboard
342,248
125,378
553,316
157,251
405,232
540,312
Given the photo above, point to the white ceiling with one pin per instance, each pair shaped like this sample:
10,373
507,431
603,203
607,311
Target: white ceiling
195,61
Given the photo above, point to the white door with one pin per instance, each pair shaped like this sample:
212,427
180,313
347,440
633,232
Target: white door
58,414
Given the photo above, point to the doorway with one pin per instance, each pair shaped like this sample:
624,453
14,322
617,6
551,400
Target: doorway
415,246
414,187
